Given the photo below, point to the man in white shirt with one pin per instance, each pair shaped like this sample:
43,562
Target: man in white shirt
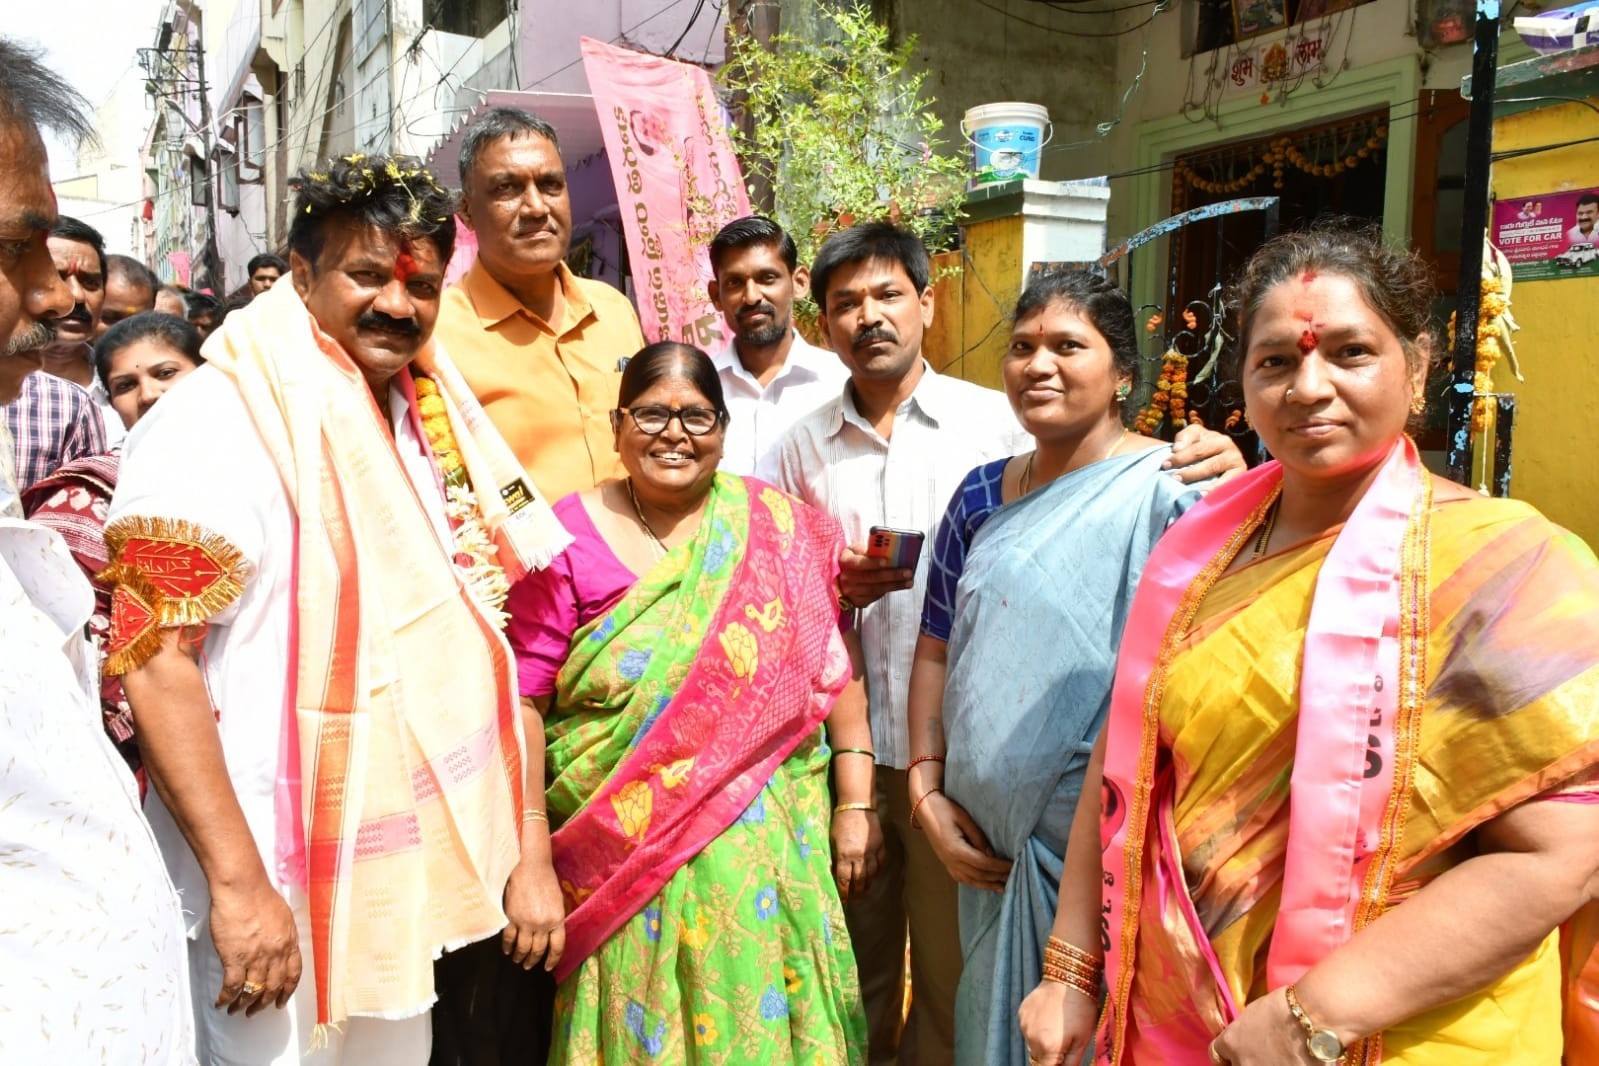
890,450
91,954
771,376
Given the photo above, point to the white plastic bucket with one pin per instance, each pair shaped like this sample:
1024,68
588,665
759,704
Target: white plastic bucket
1007,140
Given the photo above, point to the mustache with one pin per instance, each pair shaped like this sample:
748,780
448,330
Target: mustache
31,339
762,308
378,320
79,313
873,336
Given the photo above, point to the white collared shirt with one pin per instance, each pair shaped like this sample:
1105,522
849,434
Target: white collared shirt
762,415
833,459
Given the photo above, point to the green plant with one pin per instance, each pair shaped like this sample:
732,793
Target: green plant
843,134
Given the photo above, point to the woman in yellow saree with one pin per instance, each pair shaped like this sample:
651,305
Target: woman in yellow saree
1345,789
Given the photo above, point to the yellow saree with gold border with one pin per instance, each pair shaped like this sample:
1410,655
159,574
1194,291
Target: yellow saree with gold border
1510,715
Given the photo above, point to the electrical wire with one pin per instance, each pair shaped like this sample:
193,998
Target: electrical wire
1072,9
614,40
699,5
1071,33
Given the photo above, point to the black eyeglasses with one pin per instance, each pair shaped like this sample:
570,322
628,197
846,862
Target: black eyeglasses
652,419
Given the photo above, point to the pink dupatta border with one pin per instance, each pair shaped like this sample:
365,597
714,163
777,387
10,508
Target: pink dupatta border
1350,687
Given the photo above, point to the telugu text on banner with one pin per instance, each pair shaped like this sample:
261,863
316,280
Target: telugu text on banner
677,182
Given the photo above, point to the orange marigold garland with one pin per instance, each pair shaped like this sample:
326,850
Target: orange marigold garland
1171,395
1278,156
1495,323
475,550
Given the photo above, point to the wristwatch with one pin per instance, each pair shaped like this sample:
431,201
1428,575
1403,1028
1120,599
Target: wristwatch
1324,1044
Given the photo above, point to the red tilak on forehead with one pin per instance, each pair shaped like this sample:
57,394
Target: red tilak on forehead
405,265
73,267
1308,341
1308,276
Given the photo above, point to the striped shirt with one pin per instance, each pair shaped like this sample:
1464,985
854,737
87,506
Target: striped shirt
52,423
834,460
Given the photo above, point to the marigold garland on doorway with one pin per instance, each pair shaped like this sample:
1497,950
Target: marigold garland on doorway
1279,154
475,550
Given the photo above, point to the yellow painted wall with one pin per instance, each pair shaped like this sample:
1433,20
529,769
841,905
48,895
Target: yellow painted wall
1556,459
971,310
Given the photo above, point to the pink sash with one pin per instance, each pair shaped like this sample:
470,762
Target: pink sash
1358,704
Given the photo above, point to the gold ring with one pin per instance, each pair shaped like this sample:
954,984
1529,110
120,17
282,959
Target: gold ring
249,988
1216,1056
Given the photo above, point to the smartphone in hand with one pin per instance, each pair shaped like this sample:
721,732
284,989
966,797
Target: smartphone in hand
901,547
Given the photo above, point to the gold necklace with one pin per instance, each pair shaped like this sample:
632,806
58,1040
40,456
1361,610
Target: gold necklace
643,521
1263,540
1024,484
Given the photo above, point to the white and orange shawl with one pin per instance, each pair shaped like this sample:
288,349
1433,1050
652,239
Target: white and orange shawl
409,740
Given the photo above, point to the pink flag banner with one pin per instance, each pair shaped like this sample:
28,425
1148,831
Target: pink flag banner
677,182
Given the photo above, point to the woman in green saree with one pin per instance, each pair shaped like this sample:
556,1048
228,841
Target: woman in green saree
677,665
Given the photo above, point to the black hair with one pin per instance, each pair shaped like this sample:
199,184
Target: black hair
267,259
392,192
72,229
662,360
1396,284
1105,306
238,301
196,304
1588,198
867,242
169,330
495,124
750,232
32,95
136,272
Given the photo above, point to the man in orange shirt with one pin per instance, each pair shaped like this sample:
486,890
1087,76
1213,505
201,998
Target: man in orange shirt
541,348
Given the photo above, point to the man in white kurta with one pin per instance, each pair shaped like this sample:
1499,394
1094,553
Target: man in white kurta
303,544
229,487
91,956
91,941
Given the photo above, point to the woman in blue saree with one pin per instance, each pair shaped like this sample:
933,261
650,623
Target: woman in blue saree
1034,567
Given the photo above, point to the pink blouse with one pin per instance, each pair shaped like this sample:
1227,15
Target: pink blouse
550,605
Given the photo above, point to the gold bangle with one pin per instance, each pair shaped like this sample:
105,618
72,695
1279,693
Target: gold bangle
1088,978
1091,993
1057,948
854,807
532,814
856,751
1055,973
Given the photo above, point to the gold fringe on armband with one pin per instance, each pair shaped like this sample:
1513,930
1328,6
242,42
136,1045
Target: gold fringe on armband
165,572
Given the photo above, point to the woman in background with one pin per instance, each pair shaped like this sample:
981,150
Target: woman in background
136,360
